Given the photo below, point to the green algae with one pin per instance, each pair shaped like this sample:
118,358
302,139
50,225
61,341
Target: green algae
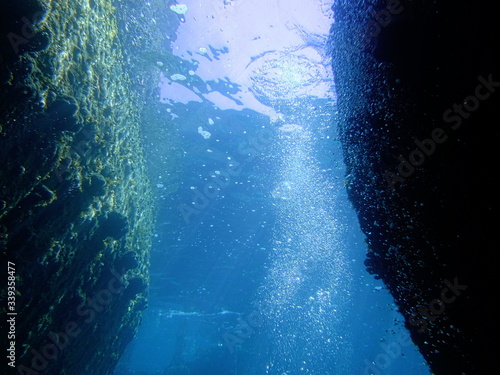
73,175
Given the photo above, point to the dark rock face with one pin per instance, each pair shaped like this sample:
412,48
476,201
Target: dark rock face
60,116
128,261
95,185
419,92
67,197
115,225
18,28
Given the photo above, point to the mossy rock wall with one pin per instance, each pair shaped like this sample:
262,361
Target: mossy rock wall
76,215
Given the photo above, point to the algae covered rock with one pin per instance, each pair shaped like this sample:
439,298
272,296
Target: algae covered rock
68,217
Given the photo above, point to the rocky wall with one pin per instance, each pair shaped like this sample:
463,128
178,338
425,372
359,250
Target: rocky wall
76,215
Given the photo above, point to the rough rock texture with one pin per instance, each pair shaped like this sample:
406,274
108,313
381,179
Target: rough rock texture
407,72
76,213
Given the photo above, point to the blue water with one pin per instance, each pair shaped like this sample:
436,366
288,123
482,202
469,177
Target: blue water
257,261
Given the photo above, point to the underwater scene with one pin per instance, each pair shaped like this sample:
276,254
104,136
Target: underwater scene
234,187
